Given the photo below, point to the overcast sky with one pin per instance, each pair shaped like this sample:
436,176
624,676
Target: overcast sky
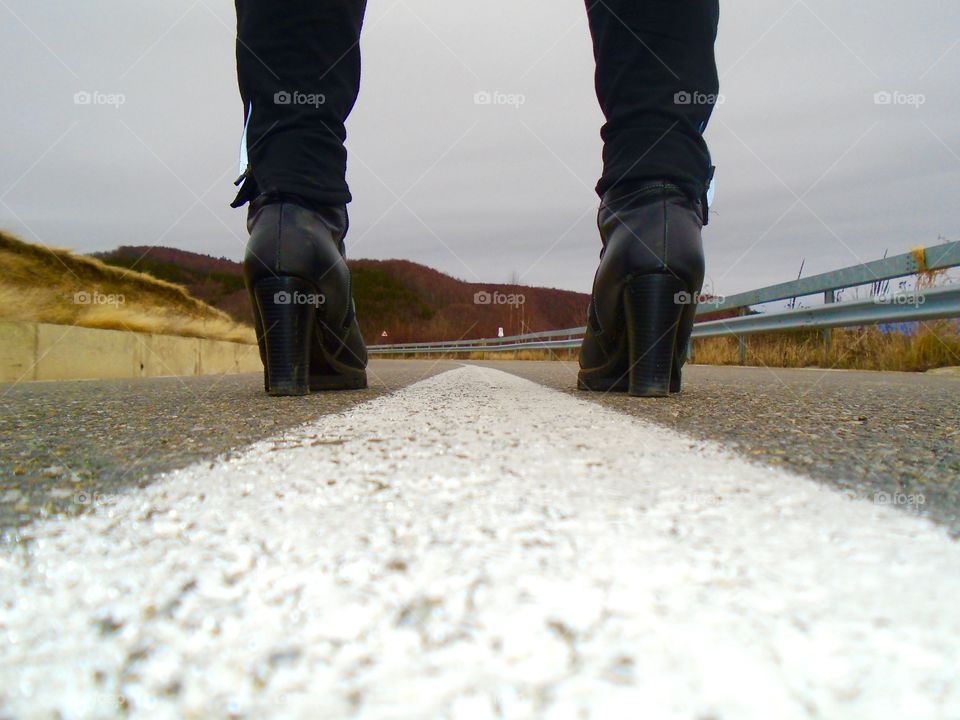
810,165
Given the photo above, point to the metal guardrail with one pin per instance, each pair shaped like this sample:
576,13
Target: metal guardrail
899,307
936,257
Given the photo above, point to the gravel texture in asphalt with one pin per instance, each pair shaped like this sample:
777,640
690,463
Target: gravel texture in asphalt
889,437
893,438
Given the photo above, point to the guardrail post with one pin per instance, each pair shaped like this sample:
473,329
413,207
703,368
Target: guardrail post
742,345
829,297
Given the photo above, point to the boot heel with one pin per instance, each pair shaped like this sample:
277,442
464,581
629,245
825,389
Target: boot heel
652,312
287,319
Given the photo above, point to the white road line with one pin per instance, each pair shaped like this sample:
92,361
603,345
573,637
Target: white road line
477,545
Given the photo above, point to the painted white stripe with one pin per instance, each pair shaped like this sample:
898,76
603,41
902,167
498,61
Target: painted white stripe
480,546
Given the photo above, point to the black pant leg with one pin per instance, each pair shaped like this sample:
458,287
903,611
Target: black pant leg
657,83
298,65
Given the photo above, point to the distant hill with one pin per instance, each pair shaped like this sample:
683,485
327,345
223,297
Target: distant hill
411,302
216,281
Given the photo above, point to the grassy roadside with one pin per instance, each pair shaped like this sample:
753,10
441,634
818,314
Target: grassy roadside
935,344
49,285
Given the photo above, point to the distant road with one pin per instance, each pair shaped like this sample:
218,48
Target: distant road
479,545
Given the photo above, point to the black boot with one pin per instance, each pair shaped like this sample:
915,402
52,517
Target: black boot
302,298
644,293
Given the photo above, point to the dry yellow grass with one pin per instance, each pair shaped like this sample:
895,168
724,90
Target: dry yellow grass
936,344
50,285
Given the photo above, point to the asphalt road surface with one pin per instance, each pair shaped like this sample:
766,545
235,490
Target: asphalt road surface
873,435
65,446
882,436
482,541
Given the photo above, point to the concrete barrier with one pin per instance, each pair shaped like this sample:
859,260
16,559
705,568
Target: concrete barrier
40,351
